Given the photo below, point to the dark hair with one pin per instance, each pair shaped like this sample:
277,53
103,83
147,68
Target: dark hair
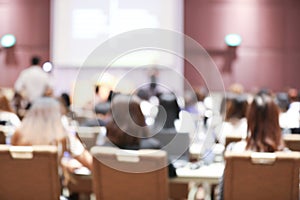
128,122
170,108
236,107
35,60
4,103
66,99
263,125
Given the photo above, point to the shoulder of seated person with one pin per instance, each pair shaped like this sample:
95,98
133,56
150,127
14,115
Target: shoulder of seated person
237,146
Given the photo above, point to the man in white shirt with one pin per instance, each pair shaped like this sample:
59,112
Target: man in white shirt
33,82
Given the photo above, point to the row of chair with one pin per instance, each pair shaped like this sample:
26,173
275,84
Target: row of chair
31,172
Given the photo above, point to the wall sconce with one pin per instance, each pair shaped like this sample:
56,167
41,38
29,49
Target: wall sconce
233,40
8,40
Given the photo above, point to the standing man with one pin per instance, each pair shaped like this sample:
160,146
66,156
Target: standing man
33,82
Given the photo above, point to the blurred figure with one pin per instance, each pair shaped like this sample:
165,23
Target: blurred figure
235,117
152,89
7,116
264,132
128,129
293,113
236,88
103,116
33,82
65,101
43,125
168,112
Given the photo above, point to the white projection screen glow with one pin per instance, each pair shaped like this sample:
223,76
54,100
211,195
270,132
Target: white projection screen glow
78,27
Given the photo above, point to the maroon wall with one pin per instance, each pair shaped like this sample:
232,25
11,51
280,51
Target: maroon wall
269,55
29,21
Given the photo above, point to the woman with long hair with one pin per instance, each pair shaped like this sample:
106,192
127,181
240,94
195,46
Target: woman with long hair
263,126
264,132
42,125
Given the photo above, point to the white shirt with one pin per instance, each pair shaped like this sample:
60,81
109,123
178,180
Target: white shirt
238,129
32,83
11,118
291,118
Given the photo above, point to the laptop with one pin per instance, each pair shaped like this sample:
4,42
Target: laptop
176,145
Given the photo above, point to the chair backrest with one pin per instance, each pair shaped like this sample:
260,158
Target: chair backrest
2,137
261,176
128,174
292,141
29,172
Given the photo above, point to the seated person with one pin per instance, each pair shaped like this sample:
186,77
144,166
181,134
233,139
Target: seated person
102,111
42,125
235,117
7,116
264,132
168,112
127,129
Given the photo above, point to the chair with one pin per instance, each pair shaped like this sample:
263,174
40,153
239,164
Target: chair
128,174
29,172
2,137
261,176
292,141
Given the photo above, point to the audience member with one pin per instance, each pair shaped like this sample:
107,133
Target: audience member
292,115
42,125
65,102
7,116
264,132
33,82
168,112
102,111
128,129
236,88
235,117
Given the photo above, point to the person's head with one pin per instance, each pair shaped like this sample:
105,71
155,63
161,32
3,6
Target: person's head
237,107
236,88
263,125
282,100
35,60
42,123
65,103
128,122
293,94
169,108
4,103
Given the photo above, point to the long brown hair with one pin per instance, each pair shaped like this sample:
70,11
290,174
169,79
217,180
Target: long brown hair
263,125
4,103
128,123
